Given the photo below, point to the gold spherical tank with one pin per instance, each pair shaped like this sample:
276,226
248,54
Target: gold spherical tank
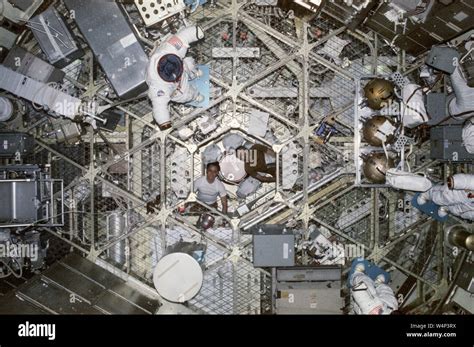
372,131
379,92
459,236
375,166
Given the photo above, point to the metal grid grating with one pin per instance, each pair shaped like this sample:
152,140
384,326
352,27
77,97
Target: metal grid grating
236,287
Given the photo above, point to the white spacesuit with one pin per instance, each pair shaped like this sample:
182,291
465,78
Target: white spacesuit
413,107
169,72
457,197
371,297
462,106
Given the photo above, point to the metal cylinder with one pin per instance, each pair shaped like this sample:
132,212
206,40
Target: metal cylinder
116,224
459,236
6,109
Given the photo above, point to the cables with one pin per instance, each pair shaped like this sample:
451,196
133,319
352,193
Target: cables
10,269
385,149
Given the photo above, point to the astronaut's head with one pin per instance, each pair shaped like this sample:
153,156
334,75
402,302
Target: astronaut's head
170,68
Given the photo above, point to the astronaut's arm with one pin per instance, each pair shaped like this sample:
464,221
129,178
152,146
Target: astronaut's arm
191,34
181,41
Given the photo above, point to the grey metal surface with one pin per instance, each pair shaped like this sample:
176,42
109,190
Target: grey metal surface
309,298
90,270
56,39
466,277
273,250
302,274
436,107
21,4
74,281
53,298
308,290
442,58
78,286
111,303
24,62
7,38
18,202
11,304
114,43
28,88
115,287
464,299
134,297
446,144
13,143
417,38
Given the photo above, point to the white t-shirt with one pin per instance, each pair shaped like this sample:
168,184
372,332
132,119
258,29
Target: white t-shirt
208,192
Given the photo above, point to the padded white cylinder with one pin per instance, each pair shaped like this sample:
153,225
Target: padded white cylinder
407,181
468,136
463,181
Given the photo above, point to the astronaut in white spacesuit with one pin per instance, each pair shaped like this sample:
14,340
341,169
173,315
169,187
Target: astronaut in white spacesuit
456,197
169,72
371,296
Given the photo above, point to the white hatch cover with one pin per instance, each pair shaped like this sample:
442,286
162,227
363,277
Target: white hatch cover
177,277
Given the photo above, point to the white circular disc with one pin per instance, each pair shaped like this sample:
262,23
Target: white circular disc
232,168
177,277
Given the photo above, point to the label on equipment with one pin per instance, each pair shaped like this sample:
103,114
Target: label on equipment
392,15
285,251
386,129
128,40
5,144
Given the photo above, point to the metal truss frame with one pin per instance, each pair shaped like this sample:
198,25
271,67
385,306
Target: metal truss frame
300,206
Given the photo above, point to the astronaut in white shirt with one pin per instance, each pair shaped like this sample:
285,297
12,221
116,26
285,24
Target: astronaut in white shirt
209,188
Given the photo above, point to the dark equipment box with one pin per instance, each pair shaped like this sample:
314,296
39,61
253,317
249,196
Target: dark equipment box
443,23
446,144
466,277
11,143
114,42
22,61
55,38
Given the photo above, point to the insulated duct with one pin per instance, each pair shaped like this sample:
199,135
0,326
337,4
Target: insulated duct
468,135
462,106
461,181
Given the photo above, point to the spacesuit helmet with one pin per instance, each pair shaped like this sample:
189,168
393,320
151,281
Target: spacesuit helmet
170,68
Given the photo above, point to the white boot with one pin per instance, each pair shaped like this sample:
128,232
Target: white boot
198,73
200,98
422,199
